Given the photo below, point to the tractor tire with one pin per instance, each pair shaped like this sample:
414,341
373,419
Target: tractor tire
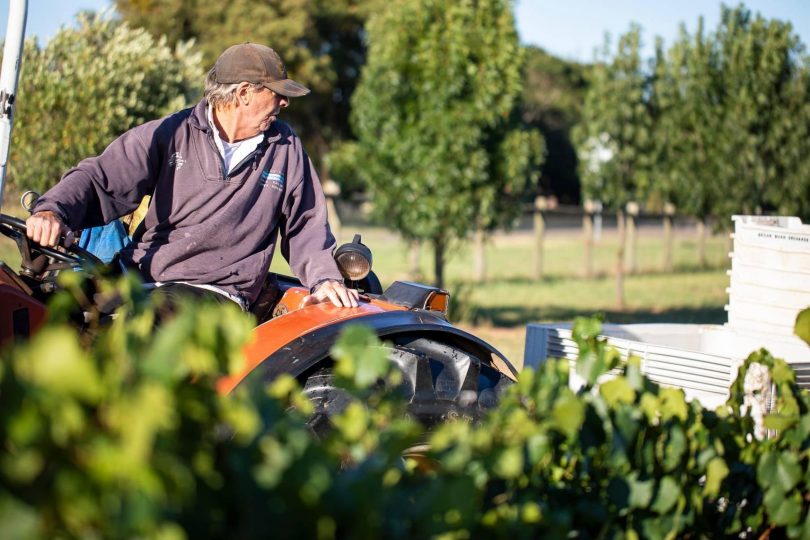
440,382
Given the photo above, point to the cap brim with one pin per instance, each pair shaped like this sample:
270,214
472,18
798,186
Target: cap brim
288,87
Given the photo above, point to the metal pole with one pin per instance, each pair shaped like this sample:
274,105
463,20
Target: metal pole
9,75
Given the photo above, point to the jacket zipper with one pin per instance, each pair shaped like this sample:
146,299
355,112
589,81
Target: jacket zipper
213,146
253,155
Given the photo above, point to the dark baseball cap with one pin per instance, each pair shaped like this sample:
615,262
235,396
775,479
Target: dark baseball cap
258,64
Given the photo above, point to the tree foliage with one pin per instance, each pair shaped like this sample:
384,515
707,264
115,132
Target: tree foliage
123,435
734,119
614,140
88,85
763,79
321,42
440,145
717,124
553,95
687,124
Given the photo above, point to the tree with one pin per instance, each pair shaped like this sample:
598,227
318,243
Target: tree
763,91
440,144
553,96
688,124
735,126
687,127
614,140
321,42
88,85
731,130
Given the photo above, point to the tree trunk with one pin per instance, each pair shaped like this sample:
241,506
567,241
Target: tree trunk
587,231
438,262
539,238
701,231
620,224
414,270
480,256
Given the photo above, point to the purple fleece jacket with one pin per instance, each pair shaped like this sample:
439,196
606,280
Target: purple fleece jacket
204,226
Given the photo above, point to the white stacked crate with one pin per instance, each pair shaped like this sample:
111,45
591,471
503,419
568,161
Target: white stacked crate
769,276
769,286
670,355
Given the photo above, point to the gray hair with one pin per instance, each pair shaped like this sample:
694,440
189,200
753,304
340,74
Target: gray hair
221,94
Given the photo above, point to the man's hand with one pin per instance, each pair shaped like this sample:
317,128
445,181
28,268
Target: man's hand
45,229
336,292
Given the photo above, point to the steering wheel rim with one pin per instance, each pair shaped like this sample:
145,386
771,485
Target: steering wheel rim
72,255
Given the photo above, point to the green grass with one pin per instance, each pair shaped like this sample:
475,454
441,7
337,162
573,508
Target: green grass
510,296
499,309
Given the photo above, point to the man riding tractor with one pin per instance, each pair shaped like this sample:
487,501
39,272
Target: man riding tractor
227,178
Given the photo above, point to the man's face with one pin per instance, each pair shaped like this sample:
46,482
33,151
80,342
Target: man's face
264,108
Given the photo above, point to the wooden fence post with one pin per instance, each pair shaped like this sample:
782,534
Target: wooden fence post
591,208
479,255
669,214
587,233
541,204
331,191
701,233
622,229
632,209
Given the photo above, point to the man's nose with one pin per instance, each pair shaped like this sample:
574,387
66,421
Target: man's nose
284,101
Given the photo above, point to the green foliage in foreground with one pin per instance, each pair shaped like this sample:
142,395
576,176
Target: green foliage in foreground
127,437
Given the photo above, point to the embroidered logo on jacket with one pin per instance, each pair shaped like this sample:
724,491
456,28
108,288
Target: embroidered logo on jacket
273,179
176,160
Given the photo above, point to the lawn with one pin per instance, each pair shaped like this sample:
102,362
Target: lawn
499,309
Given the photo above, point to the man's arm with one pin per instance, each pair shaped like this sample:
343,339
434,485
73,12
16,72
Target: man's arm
307,242
97,190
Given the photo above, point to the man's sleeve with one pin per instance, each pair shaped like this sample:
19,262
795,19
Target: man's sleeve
102,188
306,240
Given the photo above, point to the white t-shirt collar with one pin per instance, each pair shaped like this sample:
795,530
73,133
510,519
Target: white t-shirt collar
232,152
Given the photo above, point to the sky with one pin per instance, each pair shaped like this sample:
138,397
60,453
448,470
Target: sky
572,29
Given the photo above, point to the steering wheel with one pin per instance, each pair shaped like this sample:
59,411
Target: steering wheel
38,262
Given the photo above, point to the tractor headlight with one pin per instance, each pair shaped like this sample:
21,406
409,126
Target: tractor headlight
353,259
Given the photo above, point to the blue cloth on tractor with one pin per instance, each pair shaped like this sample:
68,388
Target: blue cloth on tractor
105,241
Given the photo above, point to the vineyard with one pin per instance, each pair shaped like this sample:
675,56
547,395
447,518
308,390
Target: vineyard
124,435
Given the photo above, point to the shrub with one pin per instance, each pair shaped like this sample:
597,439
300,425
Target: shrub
124,435
88,85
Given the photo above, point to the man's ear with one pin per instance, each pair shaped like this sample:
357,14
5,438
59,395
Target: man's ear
244,93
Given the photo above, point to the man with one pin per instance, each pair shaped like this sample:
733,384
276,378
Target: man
226,178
